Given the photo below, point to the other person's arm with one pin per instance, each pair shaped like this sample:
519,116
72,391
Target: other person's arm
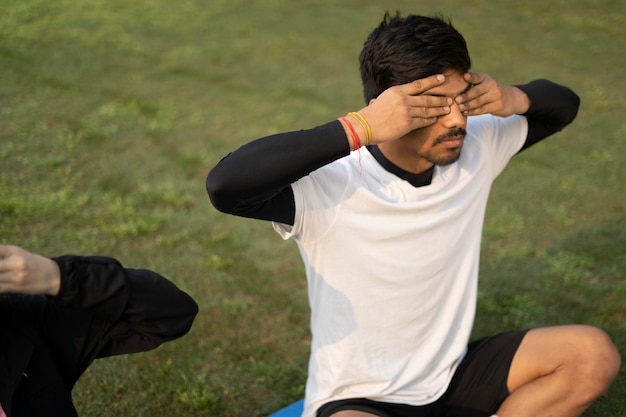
94,306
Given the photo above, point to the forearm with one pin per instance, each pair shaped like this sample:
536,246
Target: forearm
259,171
143,300
93,283
104,309
156,307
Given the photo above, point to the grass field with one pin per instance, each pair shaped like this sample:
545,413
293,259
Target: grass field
112,113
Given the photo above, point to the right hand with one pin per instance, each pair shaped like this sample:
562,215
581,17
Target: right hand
27,273
401,109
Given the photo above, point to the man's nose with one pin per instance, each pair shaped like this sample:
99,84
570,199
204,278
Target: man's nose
455,118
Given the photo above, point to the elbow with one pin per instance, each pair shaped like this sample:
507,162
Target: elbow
573,107
188,318
553,103
180,324
190,312
212,185
218,194
569,102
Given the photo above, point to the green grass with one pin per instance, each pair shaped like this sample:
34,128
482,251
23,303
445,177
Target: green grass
113,112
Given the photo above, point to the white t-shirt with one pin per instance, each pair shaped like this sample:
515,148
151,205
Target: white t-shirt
392,269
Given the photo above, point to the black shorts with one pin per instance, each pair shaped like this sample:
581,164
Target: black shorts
476,390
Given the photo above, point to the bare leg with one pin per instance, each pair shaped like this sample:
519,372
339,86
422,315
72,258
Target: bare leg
559,372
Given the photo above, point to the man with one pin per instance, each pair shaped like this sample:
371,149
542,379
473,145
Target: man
59,314
390,236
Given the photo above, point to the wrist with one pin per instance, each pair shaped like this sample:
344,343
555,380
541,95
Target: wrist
53,281
363,127
353,132
522,101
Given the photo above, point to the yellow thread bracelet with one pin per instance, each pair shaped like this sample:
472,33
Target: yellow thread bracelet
366,126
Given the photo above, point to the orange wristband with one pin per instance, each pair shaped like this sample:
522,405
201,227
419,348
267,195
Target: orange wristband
356,142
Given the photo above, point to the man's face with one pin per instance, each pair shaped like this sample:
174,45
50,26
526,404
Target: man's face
441,142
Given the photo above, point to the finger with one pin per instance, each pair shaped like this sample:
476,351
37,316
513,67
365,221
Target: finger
476,92
7,281
428,112
489,102
7,251
5,263
419,86
479,95
473,108
475,78
429,101
418,123
480,84
478,99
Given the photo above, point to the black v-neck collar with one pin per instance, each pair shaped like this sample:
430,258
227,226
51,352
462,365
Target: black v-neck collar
416,180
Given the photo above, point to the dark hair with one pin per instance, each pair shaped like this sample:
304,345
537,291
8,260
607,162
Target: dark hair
404,49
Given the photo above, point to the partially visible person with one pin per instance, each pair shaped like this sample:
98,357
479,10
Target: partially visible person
57,315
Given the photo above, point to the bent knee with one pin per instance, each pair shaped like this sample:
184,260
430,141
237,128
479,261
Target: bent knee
583,354
598,359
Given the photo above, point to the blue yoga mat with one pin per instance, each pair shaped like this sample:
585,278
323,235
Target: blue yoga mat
292,410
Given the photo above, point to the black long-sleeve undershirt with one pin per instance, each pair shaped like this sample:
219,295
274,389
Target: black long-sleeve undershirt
254,181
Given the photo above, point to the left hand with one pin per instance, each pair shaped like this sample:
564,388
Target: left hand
489,96
27,273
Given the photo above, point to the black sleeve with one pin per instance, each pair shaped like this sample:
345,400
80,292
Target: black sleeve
254,181
552,107
104,309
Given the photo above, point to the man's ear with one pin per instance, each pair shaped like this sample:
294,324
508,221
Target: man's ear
371,101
